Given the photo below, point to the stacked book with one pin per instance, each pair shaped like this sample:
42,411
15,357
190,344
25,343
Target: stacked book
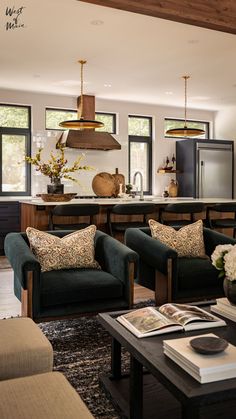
204,368
225,308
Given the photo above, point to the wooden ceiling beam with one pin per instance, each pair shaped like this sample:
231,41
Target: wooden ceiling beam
219,15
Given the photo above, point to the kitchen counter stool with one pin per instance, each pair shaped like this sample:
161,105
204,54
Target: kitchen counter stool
140,209
75,210
189,210
222,220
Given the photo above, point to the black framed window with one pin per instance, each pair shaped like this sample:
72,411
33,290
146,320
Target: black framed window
54,116
140,150
15,143
171,123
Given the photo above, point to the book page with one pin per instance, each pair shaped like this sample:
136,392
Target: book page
147,319
184,314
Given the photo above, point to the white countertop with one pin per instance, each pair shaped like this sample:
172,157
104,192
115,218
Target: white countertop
14,198
113,201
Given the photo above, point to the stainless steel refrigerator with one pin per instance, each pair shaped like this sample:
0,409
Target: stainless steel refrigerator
206,168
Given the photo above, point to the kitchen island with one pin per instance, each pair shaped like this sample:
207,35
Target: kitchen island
35,212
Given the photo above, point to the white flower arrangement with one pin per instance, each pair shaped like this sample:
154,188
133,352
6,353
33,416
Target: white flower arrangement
224,259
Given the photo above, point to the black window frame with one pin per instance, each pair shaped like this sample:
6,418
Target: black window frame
114,118
148,141
206,123
18,131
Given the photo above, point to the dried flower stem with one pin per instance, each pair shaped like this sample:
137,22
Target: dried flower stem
56,167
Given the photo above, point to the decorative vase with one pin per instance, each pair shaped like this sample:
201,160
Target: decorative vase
173,188
230,290
56,187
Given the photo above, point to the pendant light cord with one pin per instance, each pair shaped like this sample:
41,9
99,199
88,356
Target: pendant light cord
82,62
82,123
185,99
185,131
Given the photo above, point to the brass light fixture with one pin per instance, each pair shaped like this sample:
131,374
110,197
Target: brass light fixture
185,131
81,123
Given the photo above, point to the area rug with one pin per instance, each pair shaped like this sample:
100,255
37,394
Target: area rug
82,351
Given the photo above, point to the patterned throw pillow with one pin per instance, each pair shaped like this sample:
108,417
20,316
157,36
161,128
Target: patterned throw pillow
76,250
187,241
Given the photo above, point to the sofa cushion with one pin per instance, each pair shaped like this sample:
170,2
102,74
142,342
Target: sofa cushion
187,241
197,274
42,396
78,285
24,349
75,250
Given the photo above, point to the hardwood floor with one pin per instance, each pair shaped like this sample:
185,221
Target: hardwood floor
142,294
9,304
11,307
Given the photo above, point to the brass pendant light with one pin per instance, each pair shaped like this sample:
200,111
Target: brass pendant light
81,123
185,131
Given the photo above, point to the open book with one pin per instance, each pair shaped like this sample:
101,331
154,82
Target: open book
150,321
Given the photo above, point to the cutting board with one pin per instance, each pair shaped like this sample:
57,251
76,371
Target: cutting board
104,184
119,179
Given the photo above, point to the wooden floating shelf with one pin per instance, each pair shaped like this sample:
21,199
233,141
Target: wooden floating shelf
162,171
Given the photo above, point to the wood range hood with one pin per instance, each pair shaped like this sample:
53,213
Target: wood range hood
88,139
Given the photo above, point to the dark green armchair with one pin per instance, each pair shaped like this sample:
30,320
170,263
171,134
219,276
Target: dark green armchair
72,292
176,278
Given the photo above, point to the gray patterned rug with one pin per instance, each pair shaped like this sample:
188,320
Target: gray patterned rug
82,350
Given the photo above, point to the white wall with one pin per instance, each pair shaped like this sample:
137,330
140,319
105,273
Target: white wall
225,128
105,160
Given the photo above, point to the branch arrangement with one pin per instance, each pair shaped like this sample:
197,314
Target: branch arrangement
56,167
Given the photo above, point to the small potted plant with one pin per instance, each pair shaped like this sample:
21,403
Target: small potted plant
128,188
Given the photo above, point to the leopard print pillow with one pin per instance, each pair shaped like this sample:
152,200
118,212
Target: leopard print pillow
75,250
187,241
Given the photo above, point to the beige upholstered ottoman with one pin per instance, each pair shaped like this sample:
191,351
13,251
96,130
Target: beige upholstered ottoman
24,350
41,396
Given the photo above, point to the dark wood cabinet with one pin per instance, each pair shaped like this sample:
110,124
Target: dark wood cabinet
9,220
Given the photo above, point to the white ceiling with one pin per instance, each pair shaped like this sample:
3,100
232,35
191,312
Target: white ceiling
141,57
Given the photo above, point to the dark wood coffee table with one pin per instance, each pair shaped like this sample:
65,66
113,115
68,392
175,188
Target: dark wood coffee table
156,387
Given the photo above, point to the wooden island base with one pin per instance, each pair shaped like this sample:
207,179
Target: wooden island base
37,216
